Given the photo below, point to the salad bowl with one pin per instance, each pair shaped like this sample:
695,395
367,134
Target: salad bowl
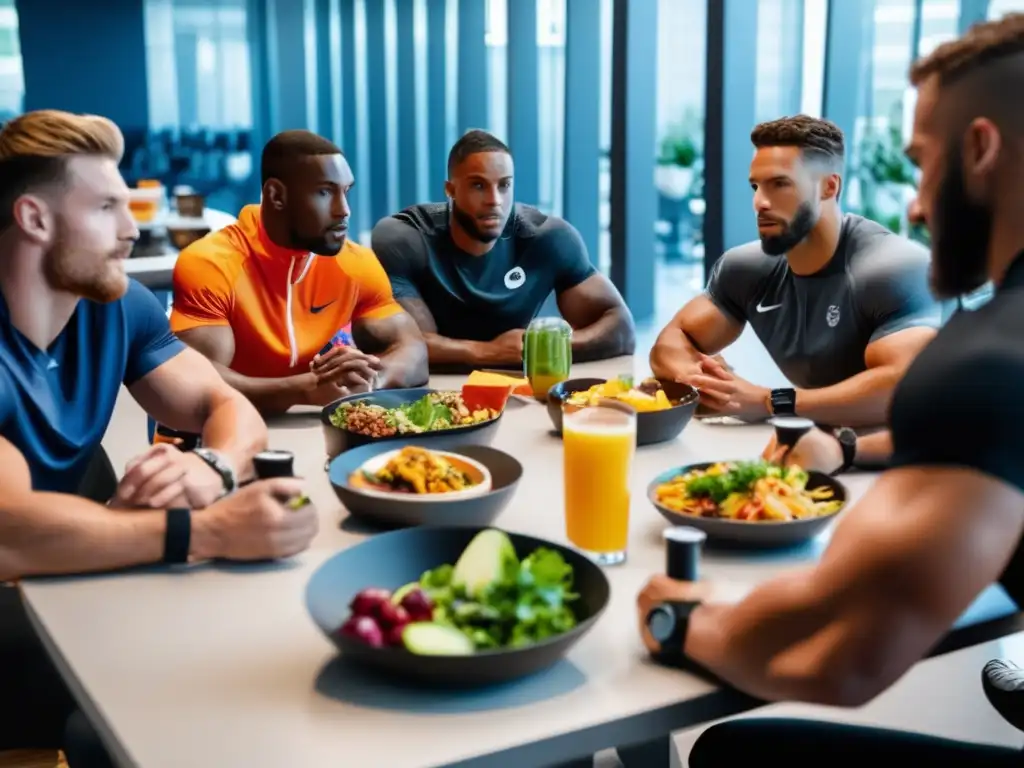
411,406
375,578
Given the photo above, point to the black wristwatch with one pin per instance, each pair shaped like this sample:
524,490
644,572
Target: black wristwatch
178,536
667,622
221,467
848,442
784,402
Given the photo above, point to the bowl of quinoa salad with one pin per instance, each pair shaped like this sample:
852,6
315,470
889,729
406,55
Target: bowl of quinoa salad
421,416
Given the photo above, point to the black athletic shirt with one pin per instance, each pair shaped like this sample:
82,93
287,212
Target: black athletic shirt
817,327
480,297
960,403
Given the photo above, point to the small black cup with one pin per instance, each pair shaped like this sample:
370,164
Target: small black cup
789,429
274,464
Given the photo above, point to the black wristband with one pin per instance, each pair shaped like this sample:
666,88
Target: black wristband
178,535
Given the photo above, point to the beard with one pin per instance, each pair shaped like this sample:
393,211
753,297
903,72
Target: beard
793,233
99,277
318,244
961,231
469,226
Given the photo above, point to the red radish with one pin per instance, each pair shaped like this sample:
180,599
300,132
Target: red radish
368,602
364,629
418,605
390,615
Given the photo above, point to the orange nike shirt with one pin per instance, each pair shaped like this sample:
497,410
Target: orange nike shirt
283,306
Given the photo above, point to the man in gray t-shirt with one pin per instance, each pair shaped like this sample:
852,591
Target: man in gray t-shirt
841,303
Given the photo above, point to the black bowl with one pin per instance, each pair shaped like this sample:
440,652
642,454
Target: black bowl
761,534
338,440
651,426
393,559
399,510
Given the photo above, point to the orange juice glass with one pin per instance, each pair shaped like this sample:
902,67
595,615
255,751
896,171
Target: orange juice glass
599,444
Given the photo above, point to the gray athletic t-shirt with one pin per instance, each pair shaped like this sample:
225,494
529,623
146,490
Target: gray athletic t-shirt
817,327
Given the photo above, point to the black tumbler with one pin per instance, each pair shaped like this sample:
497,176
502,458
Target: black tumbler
789,429
274,464
683,546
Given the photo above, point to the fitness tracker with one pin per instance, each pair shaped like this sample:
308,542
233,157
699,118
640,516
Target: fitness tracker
178,535
784,402
668,622
221,467
848,442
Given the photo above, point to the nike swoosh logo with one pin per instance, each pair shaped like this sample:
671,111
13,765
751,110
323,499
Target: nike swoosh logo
322,307
761,308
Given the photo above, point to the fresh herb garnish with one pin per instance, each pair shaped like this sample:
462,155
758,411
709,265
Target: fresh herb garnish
425,412
739,479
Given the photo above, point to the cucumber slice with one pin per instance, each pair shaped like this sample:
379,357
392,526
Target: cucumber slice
426,638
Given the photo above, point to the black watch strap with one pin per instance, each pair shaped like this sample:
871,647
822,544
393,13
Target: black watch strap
783,402
848,443
178,535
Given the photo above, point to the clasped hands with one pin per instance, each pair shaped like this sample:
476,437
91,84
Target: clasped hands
722,391
341,371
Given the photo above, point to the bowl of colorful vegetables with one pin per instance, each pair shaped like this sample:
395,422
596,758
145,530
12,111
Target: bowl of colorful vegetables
421,416
456,606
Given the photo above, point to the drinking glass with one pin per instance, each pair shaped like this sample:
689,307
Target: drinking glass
547,354
599,443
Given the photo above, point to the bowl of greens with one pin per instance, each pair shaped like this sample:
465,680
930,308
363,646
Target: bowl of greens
425,417
456,606
749,503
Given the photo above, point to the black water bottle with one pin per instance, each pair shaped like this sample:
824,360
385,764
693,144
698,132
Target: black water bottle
683,545
789,429
274,463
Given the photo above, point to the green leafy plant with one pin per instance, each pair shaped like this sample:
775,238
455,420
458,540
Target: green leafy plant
679,150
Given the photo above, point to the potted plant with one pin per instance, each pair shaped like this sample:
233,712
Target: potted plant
886,176
673,175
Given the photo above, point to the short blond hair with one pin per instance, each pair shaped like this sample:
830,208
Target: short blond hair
35,148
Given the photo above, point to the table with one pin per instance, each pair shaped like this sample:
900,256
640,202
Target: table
157,272
221,665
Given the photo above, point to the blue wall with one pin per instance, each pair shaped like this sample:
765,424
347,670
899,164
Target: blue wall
85,56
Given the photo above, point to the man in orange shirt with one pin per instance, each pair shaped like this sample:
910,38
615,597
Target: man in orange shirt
266,297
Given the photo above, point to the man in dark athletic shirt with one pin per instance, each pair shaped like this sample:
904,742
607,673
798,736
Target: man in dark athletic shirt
841,303
476,270
947,520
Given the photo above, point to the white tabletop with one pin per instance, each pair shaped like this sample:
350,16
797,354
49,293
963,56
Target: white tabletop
156,272
222,666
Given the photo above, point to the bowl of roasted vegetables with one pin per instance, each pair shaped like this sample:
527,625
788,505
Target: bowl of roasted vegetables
749,502
410,485
421,416
663,407
456,606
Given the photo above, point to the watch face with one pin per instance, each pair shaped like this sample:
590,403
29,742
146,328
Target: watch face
661,622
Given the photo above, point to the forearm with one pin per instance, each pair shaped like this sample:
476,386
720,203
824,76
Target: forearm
860,401
52,534
611,336
270,395
674,355
463,352
765,644
404,365
234,428
874,450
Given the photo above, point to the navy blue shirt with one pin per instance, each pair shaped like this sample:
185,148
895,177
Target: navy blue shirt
480,297
56,404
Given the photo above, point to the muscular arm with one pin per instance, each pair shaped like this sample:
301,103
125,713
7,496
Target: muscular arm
186,393
56,533
217,344
863,400
699,327
883,594
445,351
602,324
874,450
397,341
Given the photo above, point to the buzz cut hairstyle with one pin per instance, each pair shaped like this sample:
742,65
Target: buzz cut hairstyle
470,143
983,44
820,141
286,148
35,149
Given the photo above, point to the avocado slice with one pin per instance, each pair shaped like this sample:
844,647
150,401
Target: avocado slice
485,560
